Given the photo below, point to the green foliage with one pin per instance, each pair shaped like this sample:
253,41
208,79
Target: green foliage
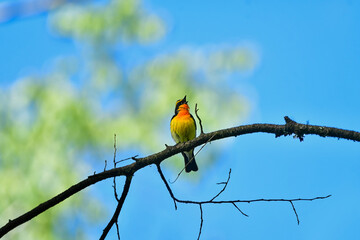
118,20
43,133
51,122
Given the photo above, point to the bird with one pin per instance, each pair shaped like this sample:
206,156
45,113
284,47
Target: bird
183,129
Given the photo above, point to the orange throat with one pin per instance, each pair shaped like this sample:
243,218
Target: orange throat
183,110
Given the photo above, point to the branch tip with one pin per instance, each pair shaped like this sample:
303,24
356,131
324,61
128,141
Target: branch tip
105,165
234,204
196,113
297,216
223,189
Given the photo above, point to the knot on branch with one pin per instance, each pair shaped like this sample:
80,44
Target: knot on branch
292,127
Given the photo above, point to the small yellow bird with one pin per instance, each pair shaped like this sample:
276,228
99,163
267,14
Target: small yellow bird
183,129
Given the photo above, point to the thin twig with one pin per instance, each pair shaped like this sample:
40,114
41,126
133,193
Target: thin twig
166,184
240,210
114,179
115,216
222,190
196,113
117,230
115,189
201,221
125,159
191,159
115,150
254,200
297,216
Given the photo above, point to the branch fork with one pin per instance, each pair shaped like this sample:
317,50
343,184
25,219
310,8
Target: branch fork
233,202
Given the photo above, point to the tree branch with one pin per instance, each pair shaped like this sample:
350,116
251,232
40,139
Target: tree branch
233,202
200,123
167,185
240,210
296,215
201,221
289,128
114,218
225,185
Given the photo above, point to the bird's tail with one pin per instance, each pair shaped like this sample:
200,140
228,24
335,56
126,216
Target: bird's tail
190,164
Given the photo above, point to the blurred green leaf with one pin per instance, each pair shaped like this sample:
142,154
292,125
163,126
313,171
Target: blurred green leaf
124,20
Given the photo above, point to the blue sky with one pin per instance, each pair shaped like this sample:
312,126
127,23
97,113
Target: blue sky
309,69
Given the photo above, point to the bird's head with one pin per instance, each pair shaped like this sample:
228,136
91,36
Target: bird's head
181,104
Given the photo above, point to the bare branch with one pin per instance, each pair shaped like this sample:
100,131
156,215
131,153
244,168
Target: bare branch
166,184
114,161
196,113
233,202
240,210
105,165
115,150
225,185
297,216
114,218
157,158
201,221
255,200
117,230
125,159
115,189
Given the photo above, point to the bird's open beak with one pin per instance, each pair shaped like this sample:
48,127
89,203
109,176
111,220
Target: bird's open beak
184,99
